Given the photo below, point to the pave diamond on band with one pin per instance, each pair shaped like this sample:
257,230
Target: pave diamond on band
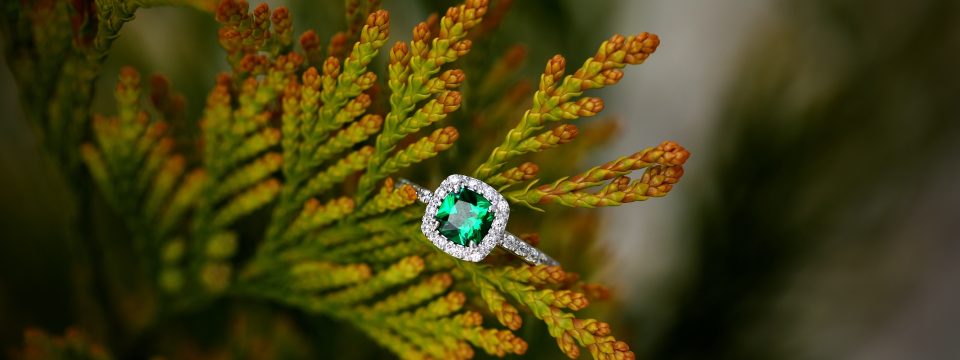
466,218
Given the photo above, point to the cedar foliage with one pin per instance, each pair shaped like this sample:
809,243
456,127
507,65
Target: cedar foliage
304,142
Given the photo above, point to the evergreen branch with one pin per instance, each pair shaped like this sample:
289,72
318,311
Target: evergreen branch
185,198
247,175
498,305
388,199
355,251
247,202
314,216
164,184
657,181
400,272
546,304
335,174
520,173
316,276
351,135
359,257
310,43
553,101
414,295
425,148
424,62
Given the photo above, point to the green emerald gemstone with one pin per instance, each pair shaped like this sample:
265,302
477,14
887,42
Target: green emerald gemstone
464,217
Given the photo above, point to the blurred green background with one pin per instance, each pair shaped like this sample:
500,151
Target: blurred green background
818,217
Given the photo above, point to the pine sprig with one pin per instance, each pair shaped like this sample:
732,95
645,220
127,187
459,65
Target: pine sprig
329,100
131,160
529,286
413,79
557,100
524,172
664,165
389,198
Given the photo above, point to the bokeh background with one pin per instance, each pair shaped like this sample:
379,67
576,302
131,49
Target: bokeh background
819,216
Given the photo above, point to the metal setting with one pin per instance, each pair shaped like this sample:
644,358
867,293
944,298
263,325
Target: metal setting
497,235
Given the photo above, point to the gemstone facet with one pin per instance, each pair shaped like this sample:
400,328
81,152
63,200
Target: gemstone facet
464,217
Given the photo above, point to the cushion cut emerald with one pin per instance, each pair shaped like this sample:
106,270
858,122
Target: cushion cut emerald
464,217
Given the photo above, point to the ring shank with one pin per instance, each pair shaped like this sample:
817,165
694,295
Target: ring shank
525,251
509,241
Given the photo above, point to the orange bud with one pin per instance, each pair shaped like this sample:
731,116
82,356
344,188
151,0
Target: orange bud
261,11
568,346
555,67
589,106
673,153
463,351
310,41
421,32
288,63
453,14
659,180
399,53
616,42
379,19
311,78
594,327
388,184
565,133
338,44
468,318
367,80
371,122
450,101
281,17
452,78
462,47
230,38
408,193
253,63
575,301
129,79
611,76
479,7
673,174
292,90
640,47
518,345
618,184
529,170
455,299
231,11
444,138
331,67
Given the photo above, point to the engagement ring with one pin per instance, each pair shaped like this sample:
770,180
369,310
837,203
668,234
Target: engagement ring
467,218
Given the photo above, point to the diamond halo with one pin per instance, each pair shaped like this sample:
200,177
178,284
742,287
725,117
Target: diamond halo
498,205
